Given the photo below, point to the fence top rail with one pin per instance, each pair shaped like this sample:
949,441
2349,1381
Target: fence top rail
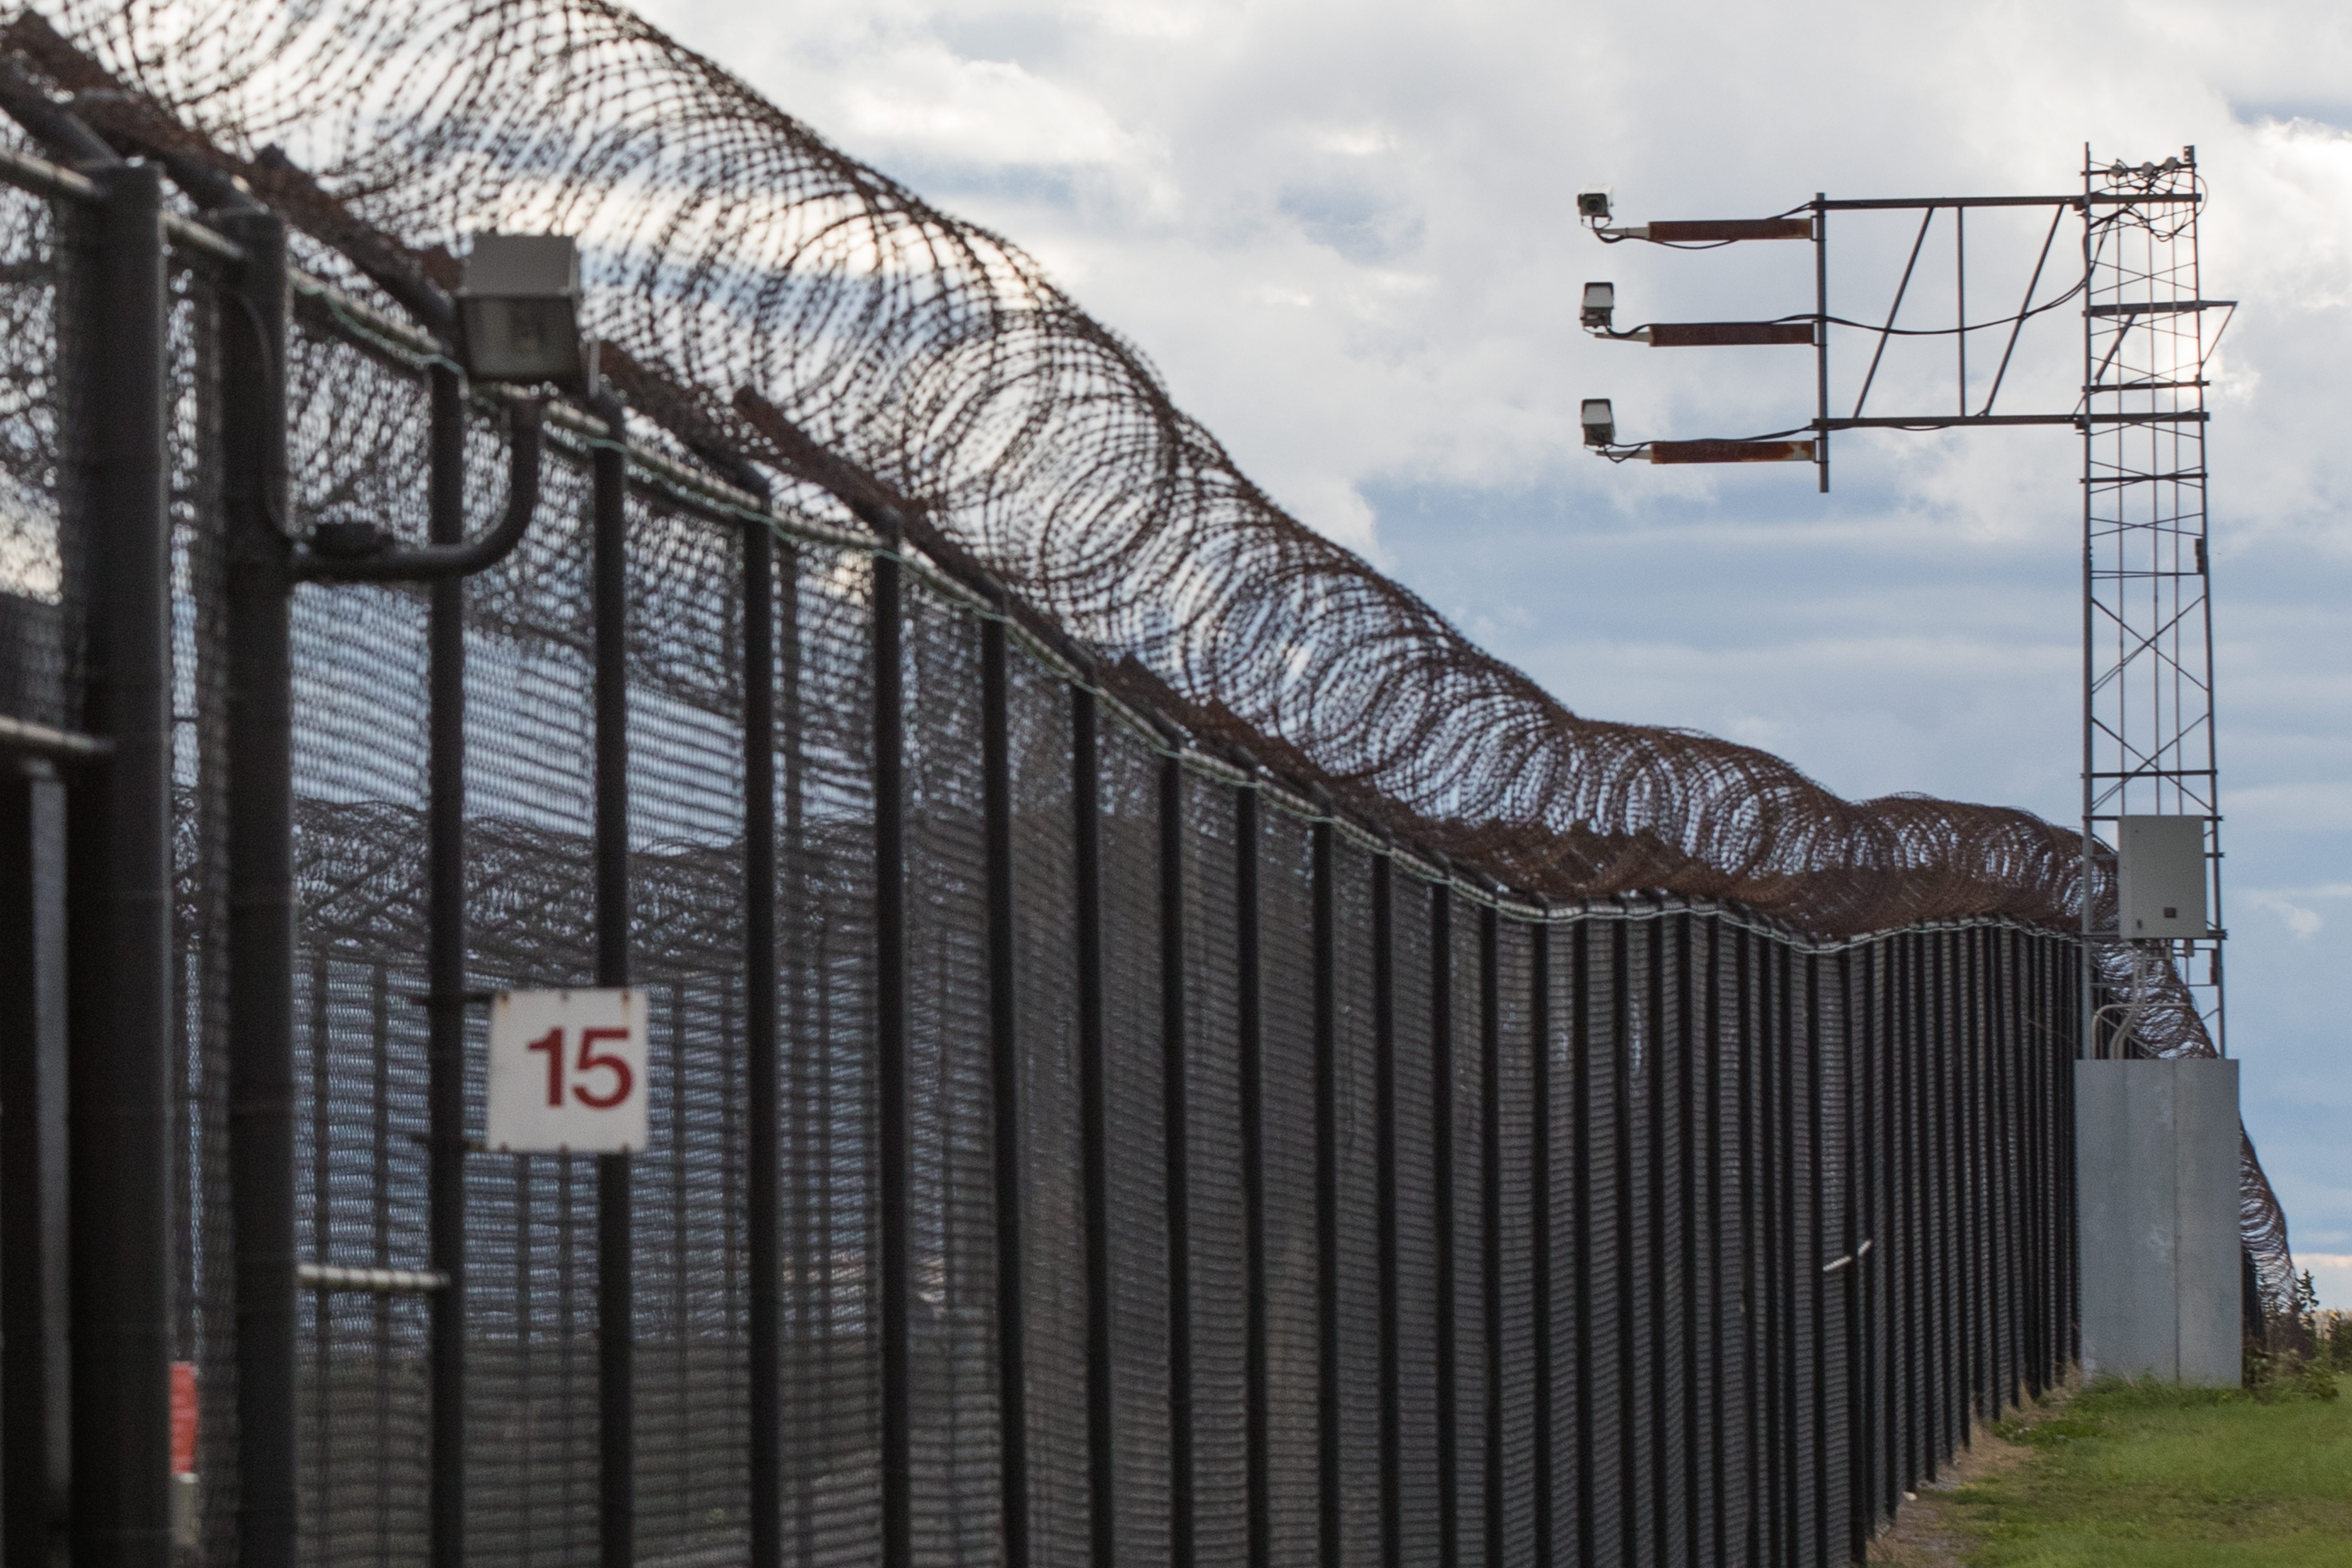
38,176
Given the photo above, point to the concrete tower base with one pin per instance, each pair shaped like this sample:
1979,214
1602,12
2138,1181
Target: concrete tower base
2157,1178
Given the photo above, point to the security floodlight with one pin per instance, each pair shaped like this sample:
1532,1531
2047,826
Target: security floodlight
1600,305
1599,423
1592,202
519,305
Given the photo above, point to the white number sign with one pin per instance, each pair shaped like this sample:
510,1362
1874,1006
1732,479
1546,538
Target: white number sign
567,1072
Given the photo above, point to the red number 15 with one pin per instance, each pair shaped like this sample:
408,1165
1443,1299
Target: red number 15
590,1060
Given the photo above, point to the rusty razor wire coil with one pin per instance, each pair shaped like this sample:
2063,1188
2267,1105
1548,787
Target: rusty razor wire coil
732,251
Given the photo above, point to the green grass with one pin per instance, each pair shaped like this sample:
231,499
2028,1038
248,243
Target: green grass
2151,1477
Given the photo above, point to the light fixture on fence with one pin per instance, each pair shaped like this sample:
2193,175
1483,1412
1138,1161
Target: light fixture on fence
1599,422
519,304
1600,305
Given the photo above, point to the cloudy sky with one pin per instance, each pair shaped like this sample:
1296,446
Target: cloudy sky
1344,235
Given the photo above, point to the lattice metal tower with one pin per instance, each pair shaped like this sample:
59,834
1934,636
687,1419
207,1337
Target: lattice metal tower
2147,633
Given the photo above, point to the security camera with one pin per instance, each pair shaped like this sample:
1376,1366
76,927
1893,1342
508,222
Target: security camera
1599,423
1592,203
1600,305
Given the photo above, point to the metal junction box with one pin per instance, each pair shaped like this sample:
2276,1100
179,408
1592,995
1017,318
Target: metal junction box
2163,877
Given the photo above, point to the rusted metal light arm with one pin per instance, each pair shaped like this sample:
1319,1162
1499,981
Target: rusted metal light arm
1714,334
1712,231
1732,452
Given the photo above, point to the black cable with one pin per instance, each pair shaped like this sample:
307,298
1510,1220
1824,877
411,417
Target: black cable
2026,315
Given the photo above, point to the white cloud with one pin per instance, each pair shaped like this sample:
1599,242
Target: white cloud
988,113
2294,905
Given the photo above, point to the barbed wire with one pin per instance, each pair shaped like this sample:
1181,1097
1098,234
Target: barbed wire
775,298
729,249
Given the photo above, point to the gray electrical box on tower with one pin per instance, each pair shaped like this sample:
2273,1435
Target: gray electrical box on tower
2161,880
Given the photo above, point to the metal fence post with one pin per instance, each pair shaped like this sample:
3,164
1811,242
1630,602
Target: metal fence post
890,1042
1490,1206
1621,1122
1686,1126
1004,1057
35,1390
1853,1136
615,1287
1252,1069
1772,1412
1325,940
120,1005
2075,1009
1539,936
1093,1117
1922,1320
1579,1019
1752,1261
1385,1186
1440,1162
1936,1044
1816,1251
762,1075
260,721
1655,1065
445,959
1720,1291
1175,1112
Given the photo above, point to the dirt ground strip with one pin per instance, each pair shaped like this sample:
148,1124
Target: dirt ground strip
1926,1531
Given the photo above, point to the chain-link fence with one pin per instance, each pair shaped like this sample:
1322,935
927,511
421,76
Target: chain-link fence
1098,1140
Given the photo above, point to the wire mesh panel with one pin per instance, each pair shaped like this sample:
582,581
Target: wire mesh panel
530,1250
1831,1261
1686,1177
1868,1142
1601,1350
831,1480
1138,1154
40,597
1773,1115
1950,1198
691,1417
1719,1306
1915,1308
204,1325
1416,1229
1745,1435
1638,1294
358,776
1218,1264
1806,1340
1555,1047
1293,1348
1512,1118
1355,1163
1470,1339
2016,1183
1661,1128
1052,1197
954,1426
